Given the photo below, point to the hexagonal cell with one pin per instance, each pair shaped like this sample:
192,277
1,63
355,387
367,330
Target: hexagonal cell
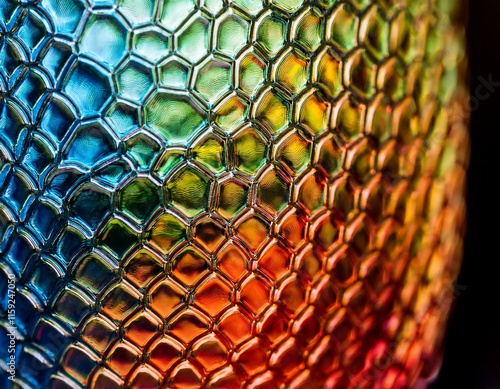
273,111
308,28
273,191
133,80
329,155
287,358
185,375
232,262
250,7
342,28
186,326
253,231
17,56
371,198
29,90
255,294
349,118
213,79
274,262
250,149
139,198
142,267
294,151
340,266
360,73
292,227
250,73
56,109
16,121
292,294
314,113
88,86
231,34
173,116
144,376
210,151
137,12
232,197
39,155
192,40
90,205
120,301
169,159
342,196
175,12
45,216
122,358
231,113
64,17
189,266
273,325
166,296
77,360
360,160
89,144
358,235
213,6
325,294
101,377
142,148
60,183
235,325
404,38
151,44
71,306
209,233
174,73
67,246
309,263
165,232
271,33
308,327
113,173
391,80
291,72
165,352
123,117
324,232
406,126
210,352
374,33
93,271
104,38
328,73
312,192
356,300
188,191
98,333
213,295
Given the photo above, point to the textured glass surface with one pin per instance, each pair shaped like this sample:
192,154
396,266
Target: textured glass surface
237,193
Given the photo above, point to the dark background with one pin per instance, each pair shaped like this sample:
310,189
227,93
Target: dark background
472,345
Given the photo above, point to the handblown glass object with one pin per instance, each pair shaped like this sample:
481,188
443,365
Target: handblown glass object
226,194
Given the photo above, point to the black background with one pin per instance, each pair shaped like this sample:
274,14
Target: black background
472,345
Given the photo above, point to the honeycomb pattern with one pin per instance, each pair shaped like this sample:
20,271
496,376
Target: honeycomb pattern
237,193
